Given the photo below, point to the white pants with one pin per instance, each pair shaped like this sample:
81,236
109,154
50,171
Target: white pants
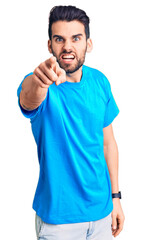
96,230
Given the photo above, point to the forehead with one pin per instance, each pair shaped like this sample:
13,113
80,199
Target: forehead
64,28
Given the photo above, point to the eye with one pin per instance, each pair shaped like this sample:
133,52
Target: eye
76,39
59,39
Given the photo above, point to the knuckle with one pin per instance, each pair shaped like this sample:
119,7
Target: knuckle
35,78
48,82
57,64
53,59
53,76
36,70
41,84
50,61
46,64
42,65
63,71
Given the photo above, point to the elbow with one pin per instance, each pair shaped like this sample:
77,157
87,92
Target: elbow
110,146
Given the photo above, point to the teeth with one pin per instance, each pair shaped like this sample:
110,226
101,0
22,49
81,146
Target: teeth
68,57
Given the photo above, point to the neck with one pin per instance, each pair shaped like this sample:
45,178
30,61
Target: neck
74,77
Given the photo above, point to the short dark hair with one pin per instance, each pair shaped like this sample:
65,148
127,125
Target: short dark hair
68,13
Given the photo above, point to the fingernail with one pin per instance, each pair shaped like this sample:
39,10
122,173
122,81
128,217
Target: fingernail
58,82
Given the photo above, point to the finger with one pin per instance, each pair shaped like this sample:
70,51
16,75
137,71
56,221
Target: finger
119,227
114,222
117,232
51,63
48,71
60,73
39,81
42,76
61,76
114,232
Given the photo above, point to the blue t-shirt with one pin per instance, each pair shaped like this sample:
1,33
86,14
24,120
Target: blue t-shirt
74,183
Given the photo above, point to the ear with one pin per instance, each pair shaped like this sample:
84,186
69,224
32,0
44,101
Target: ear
89,45
49,46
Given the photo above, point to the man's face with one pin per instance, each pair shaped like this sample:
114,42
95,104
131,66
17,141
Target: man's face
69,44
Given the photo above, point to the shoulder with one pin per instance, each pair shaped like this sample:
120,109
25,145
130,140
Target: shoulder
97,77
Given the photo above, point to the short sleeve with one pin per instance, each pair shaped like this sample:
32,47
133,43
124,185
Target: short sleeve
26,113
111,111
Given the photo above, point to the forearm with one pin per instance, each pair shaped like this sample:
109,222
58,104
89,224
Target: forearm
111,156
32,94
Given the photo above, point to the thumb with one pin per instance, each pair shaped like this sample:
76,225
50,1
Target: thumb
61,76
114,222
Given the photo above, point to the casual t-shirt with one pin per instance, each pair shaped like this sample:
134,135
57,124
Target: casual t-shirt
74,183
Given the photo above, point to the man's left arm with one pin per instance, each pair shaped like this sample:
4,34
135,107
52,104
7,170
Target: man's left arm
111,157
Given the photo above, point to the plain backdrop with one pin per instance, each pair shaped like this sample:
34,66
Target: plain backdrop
116,34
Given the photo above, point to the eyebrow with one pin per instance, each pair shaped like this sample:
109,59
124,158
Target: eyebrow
54,36
77,35
59,36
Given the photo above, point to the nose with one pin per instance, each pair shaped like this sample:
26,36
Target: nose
67,46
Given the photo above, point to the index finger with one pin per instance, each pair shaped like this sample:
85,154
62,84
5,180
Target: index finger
51,62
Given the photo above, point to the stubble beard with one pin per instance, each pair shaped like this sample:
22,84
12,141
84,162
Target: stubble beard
67,67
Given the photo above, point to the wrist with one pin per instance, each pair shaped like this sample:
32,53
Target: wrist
116,195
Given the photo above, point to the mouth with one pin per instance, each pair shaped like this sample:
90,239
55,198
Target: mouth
67,58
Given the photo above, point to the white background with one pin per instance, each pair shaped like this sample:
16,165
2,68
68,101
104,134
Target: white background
115,31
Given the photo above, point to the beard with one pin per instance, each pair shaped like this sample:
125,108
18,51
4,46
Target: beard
71,68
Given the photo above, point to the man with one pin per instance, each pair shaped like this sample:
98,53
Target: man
71,108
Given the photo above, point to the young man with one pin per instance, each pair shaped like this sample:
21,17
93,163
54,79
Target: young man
71,108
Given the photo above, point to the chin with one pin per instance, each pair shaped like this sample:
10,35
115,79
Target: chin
73,69
68,69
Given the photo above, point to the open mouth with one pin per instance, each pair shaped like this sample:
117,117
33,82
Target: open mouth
67,57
